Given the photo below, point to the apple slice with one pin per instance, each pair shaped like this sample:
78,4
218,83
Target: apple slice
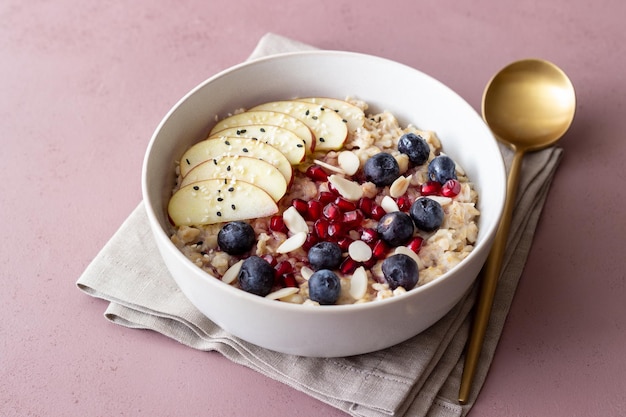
218,200
328,127
243,168
353,115
282,139
268,118
227,146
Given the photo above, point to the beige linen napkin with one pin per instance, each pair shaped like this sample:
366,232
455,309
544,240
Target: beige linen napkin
419,377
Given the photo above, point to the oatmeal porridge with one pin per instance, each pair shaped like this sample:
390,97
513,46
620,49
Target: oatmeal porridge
319,201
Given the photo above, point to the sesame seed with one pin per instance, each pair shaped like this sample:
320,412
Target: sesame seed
195,187
307,113
188,163
245,150
322,140
220,199
228,168
314,117
232,206
219,214
227,142
262,130
231,189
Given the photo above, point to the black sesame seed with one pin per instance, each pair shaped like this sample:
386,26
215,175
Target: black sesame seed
262,130
219,214
228,168
243,130
227,142
307,113
232,206
220,199
344,120
314,117
322,140
195,187
238,132
245,149
299,145
215,162
231,189
188,163
322,109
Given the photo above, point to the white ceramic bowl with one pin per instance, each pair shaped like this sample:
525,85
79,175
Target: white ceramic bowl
328,331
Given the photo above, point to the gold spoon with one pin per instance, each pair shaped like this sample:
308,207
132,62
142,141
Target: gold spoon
528,105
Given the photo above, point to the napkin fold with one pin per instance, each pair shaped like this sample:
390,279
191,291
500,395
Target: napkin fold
419,377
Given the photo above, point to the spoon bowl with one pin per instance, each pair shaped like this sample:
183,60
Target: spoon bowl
528,105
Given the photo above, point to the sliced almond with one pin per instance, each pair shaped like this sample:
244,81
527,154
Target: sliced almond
360,251
358,283
306,272
349,162
231,274
294,221
440,199
282,293
328,166
389,204
294,242
399,186
349,190
406,251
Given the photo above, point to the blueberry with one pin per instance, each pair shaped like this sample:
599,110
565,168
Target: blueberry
400,270
427,214
381,169
324,287
395,228
236,238
441,169
415,147
325,255
256,276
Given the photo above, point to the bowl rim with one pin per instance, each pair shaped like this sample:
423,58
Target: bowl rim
161,235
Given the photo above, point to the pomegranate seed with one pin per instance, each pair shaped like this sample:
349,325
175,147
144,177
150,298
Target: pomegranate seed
369,235
311,240
335,230
380,249
332,189
344,243
377,212
404,202
369,264
366,204
289,280
344,204
316,173
283,267
270,259
415,244
352,218
451,188
430,188
321,228
332,212
300,205
348,266
314,210
277,224
326,197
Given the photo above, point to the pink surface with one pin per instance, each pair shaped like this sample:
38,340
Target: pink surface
84,84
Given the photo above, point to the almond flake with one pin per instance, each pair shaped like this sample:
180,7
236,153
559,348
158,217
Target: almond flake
328,166
294,242
349,162
231,274
399,186
306,272
360,251
358,283
349,190
294,221
440,199
282,293
406,251
389,204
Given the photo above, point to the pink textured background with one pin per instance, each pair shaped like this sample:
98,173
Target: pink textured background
84,83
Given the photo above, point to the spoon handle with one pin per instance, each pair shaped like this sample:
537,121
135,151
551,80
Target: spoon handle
491,273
